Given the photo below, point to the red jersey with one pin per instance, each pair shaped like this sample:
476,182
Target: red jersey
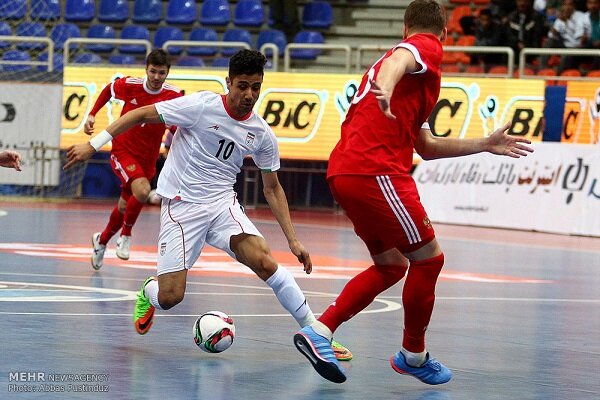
372,144
141,141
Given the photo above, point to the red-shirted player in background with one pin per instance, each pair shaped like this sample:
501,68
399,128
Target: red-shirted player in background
369,175
133,154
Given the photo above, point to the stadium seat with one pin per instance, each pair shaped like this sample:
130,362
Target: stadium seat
16,55
450,68
203,35
215,13
454,19
235,35
571,72
317,15
546,72
46,10
165,33
190,62
122,59
465,40
79,10
307,37
181,12
13,9
474,69
113,11
61,32
57,62
31,29
134,32
593,73
220,62
101,32
87,58
498,70
274,36
147,11
5,31
249,13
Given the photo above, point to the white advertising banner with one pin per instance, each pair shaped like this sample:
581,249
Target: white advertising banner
30,119
555,189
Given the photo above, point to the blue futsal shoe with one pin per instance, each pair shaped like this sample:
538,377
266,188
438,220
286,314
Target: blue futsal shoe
432,372
319,352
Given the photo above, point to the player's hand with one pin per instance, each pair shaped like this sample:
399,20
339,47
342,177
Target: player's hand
10,159
383,98
301,253
501,143
78,153
88,128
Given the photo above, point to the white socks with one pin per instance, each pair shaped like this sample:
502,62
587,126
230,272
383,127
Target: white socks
414,359
290,296
322,330
151,292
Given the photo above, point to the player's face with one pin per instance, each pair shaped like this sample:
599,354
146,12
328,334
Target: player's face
156,76
243,93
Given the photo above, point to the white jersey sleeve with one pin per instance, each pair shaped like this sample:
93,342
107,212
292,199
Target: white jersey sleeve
266,156
182,112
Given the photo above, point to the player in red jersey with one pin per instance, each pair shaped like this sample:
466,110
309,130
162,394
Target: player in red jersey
133,154
369,175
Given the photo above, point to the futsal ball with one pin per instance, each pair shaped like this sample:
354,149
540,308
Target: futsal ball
214,332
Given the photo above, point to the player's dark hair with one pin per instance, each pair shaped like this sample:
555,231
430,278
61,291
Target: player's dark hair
425,16
247,62
158,57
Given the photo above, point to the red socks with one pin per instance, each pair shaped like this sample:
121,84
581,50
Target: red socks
360,291
132,212
418,298
114,224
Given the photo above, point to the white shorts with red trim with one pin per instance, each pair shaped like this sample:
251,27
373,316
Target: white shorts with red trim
186,227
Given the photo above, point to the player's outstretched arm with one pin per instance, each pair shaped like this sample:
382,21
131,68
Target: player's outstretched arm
431,147
10,159
279,207
82,152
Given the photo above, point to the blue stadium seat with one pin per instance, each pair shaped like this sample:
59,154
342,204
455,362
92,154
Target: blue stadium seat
16,55
220,62
307,37
181,12
134,32
122,59
57,62
203,35
46,10
235,35
61,32
79,10
5,31
190,62
249,13
101,31
317,15
13,9
147,11
113,11
31,29
87,58
215,13
274,36
165,33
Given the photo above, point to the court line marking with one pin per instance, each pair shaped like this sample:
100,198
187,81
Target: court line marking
124,295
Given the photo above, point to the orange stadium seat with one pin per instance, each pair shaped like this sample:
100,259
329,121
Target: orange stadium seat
546,72
498,70
465,40
454,19
593,73
474,69
450,68
570,72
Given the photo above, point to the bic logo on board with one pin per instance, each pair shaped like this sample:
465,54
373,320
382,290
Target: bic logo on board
294,114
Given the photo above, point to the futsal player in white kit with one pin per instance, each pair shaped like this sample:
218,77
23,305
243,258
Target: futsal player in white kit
215,132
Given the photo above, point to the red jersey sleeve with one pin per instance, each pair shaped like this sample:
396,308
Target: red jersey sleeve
118,88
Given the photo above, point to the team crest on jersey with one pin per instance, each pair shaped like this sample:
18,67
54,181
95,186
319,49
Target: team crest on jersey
427,222
130,168
250,138
163,248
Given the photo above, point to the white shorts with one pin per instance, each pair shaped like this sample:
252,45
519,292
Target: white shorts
186,227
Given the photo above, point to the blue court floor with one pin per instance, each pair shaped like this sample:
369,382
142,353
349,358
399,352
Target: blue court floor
517,315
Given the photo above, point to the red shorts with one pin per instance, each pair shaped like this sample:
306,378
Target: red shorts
128,169
386,211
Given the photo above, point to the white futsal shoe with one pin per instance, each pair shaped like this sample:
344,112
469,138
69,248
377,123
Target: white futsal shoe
123,245
98,253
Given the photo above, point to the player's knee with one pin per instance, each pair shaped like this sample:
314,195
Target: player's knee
170,298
